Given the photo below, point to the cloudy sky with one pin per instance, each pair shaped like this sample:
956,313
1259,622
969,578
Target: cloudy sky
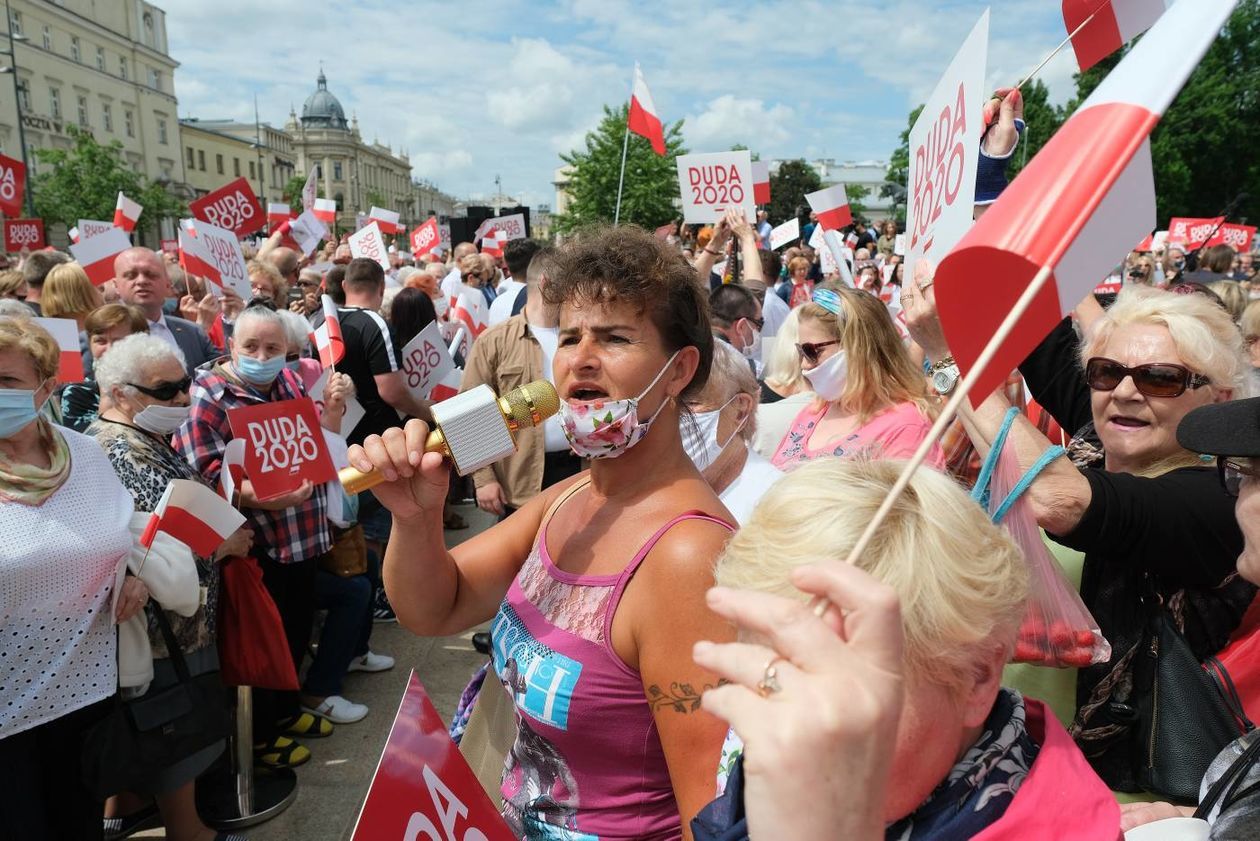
475,91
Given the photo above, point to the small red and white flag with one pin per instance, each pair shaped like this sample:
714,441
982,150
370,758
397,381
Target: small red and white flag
326,210
65,331
761,182
126,213
232,469
1114,24
74,233
644,120
1077,207
851,239
832,206
386,219
192,257
96,254
277,214
328,335
191,512
492,243
471,309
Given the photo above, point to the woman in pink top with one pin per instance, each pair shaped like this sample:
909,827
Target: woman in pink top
596,587
872,402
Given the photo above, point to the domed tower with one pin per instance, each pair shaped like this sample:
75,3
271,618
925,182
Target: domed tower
321,109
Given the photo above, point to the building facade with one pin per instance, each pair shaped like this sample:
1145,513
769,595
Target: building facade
257,151
868,174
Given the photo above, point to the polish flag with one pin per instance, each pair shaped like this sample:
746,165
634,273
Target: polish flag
1114,24
832,207
309,190
96,254
471,308
326,210
761,182
232,468
386,219
277,214
643,119
493,242
74,234
192,258
1077,207
126,212
191,512
65,331
328,335
448,386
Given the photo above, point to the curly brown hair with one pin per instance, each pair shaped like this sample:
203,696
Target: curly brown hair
628,264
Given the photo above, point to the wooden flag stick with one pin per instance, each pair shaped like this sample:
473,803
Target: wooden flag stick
1062,44
821,603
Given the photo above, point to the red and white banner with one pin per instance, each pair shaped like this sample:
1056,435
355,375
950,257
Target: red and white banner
1114,24
191,512
65,331
126,213
1237,237
1192,233
471,308
513,225
492,243
96,254
73,233
1078,205
326,210
367,242
233,207
277,214
328,335
219,248
23,233
832,206
386,219
714,182
284,446
426,237
12,185
89,228
945,152
423,789
761,182
781,235
643,119
425,361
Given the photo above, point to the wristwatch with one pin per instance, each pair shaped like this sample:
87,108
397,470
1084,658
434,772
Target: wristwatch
945,376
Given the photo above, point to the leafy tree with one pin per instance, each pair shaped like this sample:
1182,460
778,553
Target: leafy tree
788,187
855,193
83,182
651,187
293,192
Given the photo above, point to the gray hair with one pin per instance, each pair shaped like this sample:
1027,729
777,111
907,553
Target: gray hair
297,330
729,376
9,308
129,358
406,272
263,314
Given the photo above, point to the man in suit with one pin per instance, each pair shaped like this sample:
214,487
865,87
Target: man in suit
141,278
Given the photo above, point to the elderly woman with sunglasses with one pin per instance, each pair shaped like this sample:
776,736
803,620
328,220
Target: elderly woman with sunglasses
870,399
1149,515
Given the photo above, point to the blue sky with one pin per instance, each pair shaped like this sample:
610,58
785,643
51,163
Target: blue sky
475,91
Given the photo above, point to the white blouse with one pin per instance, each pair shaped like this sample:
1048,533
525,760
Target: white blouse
58,566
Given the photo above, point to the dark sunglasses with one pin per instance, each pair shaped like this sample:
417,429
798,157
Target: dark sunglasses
1155,379
759,323
810,351
1234,472
164,391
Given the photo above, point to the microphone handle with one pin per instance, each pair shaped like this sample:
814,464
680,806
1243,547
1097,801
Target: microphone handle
354,480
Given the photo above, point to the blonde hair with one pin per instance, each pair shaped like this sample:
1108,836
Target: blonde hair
68,292
880,371
1250,321
783,362
10,282
34,341
797,263
961,580
1232,295
272,274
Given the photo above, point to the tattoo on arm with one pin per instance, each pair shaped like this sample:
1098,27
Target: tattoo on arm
683,697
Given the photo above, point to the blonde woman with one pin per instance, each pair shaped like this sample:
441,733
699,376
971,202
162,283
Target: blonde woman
69,294
12,285
870,399
813,702
1232,295
1150,516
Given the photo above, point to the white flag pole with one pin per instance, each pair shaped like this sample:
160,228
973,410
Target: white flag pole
1062,44
832,239
625,145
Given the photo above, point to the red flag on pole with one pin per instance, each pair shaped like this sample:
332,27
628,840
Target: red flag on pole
644,120
832,207
1114,24
191,512
126,212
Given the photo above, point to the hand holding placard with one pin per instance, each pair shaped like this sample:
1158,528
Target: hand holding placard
284,447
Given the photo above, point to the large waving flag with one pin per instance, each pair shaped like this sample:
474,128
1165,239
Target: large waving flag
644,120
191,512
1107,25
328,335
1076,208
325,210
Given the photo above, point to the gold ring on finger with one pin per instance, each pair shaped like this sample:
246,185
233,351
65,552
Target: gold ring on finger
769,683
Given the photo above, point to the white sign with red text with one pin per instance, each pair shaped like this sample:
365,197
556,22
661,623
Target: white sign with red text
221,249
513,225
367,242
714,182
781,235
426,360
944,152
89,228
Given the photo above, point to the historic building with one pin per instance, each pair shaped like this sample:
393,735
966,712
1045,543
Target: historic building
218,151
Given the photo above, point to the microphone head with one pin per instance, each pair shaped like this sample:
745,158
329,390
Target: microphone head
532,403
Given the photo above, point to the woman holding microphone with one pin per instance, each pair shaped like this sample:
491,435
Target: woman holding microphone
596,586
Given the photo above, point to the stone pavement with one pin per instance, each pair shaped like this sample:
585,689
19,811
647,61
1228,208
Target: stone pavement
332,785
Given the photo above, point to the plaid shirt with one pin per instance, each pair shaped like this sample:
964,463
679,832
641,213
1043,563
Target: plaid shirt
295,534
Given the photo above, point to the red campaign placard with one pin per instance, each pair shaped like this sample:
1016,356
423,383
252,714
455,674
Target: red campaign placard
283,446
423,790
426,237
12,185
23,233
233,207
1191,232
1237,237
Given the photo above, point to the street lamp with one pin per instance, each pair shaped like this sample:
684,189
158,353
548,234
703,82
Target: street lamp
17,102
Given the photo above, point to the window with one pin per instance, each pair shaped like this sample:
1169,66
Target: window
155,79
47,38
83,111
122,67
161,123
218,163
336,170
15,22
54,103
100,59
201,159
319,172
24,92
75,53
236,167
192,159
107,117
129,122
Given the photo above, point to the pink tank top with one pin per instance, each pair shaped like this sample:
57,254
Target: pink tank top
587,762
894,433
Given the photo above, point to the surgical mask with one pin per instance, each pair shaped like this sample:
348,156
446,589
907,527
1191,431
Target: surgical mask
161,420
259,371
293,364
17,409
607,428
828,377
699,436
752,350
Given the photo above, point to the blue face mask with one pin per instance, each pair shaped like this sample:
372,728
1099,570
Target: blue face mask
17,409
259,371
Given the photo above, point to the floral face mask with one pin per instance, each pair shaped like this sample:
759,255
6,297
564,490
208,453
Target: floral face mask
607,428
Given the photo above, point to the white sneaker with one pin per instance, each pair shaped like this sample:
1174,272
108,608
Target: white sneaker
338,710
371,662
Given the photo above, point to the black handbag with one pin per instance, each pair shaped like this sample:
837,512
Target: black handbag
127,750
1226,790
1185,719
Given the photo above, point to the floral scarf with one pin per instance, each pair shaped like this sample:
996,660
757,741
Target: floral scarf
26,484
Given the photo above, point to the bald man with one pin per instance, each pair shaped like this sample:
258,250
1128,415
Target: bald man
141,279
286,261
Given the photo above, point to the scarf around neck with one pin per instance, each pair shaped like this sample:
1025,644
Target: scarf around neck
27,484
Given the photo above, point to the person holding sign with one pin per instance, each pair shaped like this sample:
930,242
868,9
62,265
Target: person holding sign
595,587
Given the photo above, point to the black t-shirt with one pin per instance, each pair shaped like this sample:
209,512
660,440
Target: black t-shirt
370,350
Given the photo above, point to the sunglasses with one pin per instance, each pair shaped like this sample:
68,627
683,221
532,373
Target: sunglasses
164,391
759,323
1155,379
811,351
1234,472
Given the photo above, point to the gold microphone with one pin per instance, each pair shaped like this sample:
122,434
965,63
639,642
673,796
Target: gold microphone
475,428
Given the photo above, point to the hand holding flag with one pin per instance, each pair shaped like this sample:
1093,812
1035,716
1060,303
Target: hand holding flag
191,512
328,335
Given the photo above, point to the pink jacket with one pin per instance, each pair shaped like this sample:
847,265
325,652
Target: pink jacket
1062,796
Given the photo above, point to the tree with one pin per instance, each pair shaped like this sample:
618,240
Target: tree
293,192
83,182
650,194
898,174
788,187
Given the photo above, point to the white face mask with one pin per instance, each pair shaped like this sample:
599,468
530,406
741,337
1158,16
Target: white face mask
607,428
752,350
161,420
828,377
699,436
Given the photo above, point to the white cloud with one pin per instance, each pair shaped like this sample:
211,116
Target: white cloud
729,120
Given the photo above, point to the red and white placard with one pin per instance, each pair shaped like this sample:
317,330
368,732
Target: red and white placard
426,237
12,185
23,233
1192,232
1237,237
368,243
283,446
308,230
789,231
89,228
232,207
425,361
712,183
221,249
513,225
96,255
65,331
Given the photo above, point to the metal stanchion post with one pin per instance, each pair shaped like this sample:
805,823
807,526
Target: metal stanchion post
237,797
